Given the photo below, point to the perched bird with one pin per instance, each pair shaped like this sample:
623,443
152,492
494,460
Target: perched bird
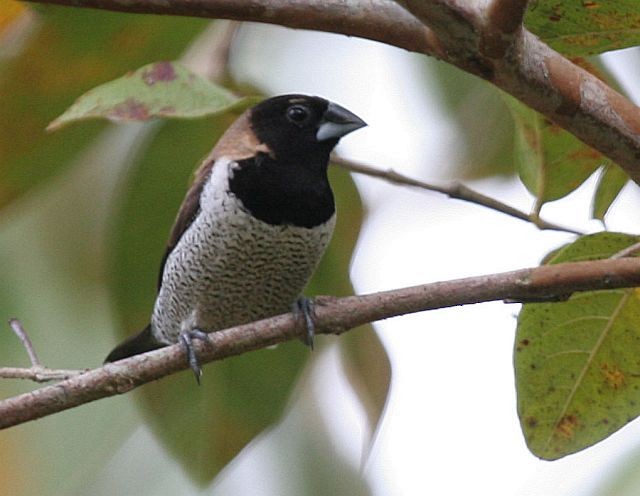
252,227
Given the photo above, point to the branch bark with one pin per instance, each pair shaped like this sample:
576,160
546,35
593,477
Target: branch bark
333,316
484,42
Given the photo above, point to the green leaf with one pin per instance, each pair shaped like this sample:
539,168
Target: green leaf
585,27
552,162
161,89
68,51
610,184
308,462
576,362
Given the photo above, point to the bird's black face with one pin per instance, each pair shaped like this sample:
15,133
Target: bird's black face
286,183
301,126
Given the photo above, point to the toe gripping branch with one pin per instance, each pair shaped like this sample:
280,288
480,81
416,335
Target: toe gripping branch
186,340
304,306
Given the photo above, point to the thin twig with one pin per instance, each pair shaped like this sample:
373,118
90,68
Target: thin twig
19,331
332,316
455,190
629,251
39,373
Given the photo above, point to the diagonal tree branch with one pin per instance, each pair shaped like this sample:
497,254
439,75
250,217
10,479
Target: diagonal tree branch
333,316
459,32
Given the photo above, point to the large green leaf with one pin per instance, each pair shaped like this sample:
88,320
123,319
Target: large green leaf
577,361
552,162
161,89
68,52
585,27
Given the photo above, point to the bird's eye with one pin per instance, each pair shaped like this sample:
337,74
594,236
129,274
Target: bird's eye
298,114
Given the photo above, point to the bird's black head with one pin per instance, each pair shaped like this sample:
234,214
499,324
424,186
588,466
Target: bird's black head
295,126
285,180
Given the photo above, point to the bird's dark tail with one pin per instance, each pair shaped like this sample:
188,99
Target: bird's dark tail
139,343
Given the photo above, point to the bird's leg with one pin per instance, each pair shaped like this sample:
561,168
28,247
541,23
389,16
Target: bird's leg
186,340
304,306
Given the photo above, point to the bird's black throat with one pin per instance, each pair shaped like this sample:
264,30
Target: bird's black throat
284,192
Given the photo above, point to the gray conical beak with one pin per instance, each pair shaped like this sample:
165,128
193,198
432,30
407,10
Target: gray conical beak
336,122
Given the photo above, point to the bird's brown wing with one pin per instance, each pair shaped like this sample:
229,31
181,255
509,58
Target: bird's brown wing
238,142
188,212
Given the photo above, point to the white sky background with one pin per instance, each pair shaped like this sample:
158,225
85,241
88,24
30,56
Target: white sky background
452,426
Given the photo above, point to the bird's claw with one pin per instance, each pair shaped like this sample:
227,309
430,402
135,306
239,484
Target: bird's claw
186,340
304,306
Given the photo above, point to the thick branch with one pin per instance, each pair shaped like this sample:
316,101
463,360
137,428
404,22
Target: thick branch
379,20
516,61
333,316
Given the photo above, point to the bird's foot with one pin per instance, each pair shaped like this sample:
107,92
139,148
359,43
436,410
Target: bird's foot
186,340
304,306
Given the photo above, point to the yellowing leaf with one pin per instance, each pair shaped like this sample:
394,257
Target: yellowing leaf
577,362
585,27
161,89
10,11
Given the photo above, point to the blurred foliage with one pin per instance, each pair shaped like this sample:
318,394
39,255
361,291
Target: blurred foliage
484,141
11,13
576,361
117,190
88,239
68,52
51,281
366,362
585,27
